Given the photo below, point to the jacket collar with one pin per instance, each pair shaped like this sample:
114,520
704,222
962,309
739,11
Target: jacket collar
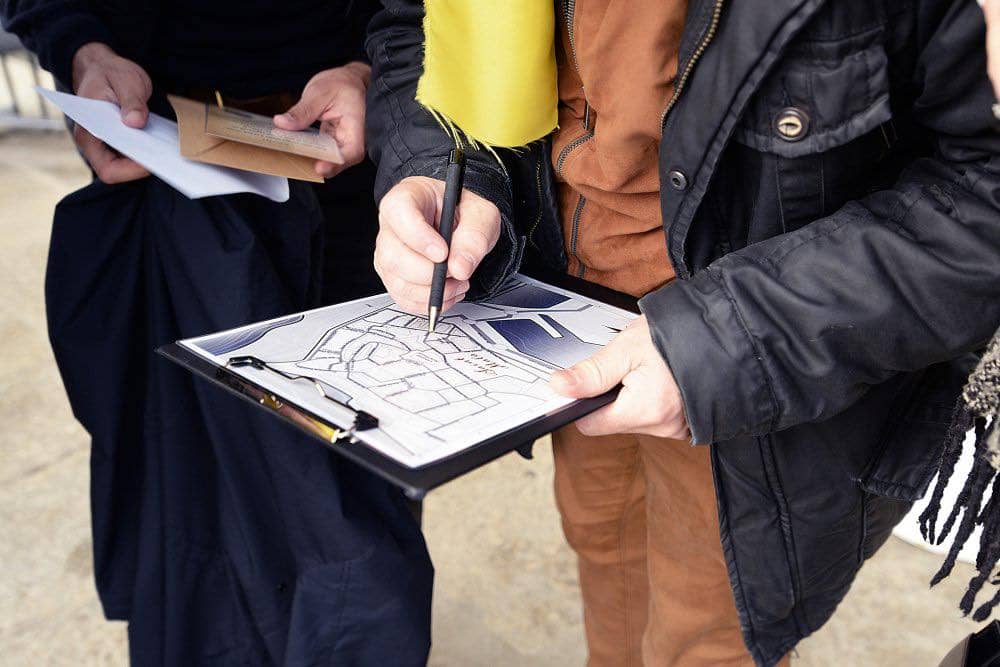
725,72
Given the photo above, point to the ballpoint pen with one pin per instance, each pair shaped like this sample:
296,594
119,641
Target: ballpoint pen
452,194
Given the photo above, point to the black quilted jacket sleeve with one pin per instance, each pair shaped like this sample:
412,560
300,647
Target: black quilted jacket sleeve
404,139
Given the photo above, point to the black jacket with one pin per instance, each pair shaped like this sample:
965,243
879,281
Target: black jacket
835,270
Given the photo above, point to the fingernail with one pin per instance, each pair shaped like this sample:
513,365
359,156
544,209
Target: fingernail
133,116
283,117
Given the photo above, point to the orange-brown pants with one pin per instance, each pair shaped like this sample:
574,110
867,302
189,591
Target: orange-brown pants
640,512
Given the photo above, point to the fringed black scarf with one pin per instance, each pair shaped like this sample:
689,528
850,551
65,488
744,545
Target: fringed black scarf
979,408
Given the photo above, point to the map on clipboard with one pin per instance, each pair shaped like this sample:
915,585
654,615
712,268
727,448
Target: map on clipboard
483,372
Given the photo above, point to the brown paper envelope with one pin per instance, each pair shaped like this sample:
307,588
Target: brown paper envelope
196,145
245,127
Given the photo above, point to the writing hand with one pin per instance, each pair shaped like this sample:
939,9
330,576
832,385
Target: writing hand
408,244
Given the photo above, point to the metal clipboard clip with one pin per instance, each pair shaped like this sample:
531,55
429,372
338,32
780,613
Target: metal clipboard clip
363,421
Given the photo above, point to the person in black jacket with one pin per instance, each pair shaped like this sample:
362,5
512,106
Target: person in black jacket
829,192
221,535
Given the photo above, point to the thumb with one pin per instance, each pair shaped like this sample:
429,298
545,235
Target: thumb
303,114
132,96
595,375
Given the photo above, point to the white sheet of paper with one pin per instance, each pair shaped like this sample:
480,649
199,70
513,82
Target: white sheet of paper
157,148
483,372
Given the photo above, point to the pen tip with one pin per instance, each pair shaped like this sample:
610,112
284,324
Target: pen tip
432,318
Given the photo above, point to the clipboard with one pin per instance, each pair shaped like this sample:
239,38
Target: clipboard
415,482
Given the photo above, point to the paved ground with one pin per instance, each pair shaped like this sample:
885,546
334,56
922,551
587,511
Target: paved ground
506,591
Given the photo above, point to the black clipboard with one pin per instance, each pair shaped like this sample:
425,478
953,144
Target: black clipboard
415,482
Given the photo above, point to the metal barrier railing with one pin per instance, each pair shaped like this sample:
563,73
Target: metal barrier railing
16,115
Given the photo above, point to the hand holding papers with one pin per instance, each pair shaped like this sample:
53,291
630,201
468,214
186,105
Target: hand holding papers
156,147
256,130
198,143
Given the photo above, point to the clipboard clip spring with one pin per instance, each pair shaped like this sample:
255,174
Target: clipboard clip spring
363,421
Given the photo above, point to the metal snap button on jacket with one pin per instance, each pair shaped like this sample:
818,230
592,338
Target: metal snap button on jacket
791,124
678,181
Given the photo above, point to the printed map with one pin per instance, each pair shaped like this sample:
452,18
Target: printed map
482,372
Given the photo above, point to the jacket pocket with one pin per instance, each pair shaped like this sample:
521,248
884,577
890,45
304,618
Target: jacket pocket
820,123
823,94
910,451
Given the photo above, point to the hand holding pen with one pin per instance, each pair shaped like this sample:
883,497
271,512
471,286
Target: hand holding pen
409,244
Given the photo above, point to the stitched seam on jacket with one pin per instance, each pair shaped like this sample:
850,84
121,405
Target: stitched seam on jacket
732,568
785,249
777,191
822,185
864,527
395,111
754,343
867,64
871,28
889,428
787,541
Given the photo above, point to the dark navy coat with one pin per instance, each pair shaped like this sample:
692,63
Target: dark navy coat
222,535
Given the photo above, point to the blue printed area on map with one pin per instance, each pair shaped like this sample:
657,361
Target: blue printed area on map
229,342
529,296
529,338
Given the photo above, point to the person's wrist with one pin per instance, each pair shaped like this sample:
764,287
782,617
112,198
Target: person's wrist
88,55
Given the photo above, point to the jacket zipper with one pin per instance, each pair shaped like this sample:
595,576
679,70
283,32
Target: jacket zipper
538,200
570,147
569,10
713,26
575,234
